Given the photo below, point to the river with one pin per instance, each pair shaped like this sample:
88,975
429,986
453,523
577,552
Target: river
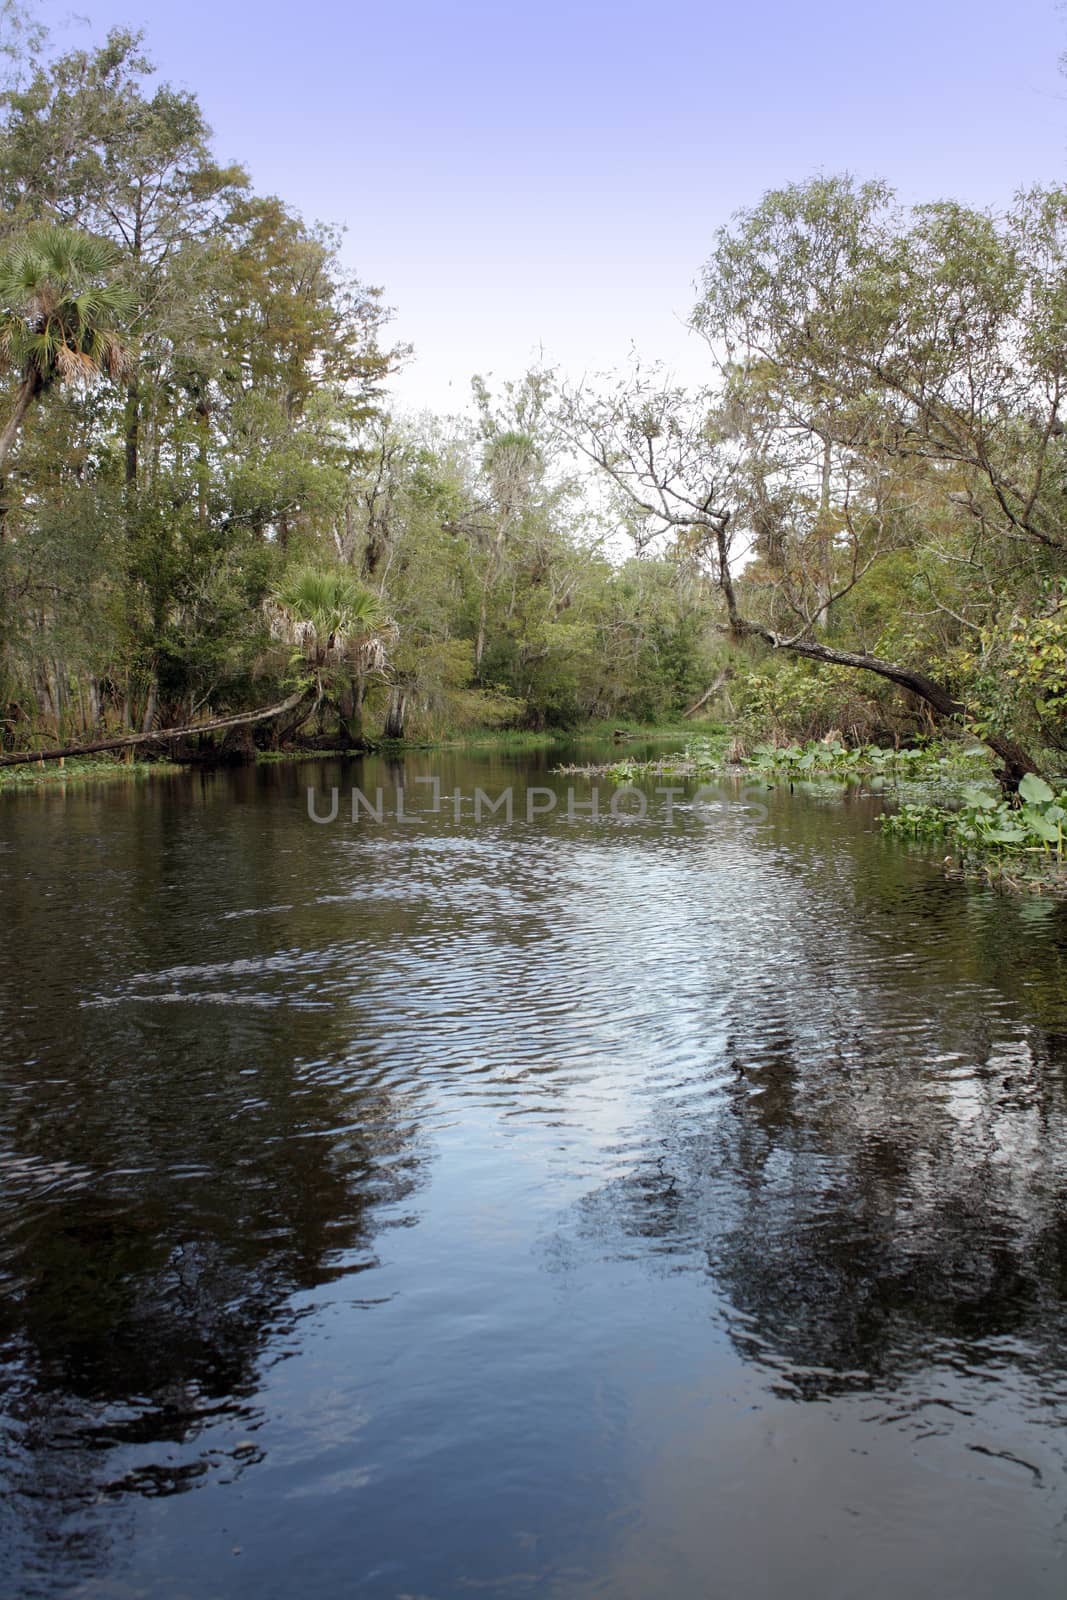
642,1205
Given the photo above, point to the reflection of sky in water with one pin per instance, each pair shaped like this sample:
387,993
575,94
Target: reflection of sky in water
567,1209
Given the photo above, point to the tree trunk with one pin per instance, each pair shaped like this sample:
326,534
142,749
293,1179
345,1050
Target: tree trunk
826,539
479,643
394,717
203,466
692,710
25,394
133,432
375,550
1017,762
159,736
350,713
287,727
132,418
488,579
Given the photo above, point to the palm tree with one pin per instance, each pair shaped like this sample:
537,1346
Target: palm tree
341,631
331,619
60,316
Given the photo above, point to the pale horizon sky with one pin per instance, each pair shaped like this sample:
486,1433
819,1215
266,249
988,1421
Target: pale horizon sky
549,182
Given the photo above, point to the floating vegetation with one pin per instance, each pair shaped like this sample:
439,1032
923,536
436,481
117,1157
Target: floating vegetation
1019,845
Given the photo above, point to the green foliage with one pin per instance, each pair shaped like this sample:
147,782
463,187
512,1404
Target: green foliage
831,757
1019,673
889,440
82,769
237,508
60,316
783,697
330,617
988,826
876,765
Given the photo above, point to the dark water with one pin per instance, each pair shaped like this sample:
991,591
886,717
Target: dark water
565,1208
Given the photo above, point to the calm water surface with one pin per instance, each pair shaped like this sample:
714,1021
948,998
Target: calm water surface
556,1209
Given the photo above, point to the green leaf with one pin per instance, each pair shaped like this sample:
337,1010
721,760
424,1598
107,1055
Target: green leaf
1042,827
1036,789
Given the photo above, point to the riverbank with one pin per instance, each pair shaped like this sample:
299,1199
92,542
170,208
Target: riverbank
939,795
109,767
81,770
1019,845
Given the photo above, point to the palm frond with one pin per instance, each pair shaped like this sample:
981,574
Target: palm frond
330,617
61,312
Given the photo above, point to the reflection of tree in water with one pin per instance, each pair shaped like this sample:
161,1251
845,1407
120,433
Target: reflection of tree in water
202,1146
139,1306
857,1215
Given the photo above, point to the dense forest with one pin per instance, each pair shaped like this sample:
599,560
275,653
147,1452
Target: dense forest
210,516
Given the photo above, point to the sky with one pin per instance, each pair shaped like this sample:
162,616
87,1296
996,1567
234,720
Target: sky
544,182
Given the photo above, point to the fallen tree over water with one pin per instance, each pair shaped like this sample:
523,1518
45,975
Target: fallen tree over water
128,741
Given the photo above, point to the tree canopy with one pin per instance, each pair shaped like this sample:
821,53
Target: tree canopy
200,467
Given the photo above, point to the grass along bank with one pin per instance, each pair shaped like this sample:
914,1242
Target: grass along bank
80,770
617,732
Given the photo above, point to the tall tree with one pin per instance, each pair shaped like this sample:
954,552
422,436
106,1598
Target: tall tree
887,383
90,141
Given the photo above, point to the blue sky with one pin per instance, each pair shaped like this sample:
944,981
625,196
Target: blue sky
552,177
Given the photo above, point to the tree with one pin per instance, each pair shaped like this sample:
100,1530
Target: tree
887,385
302,368
90,143
925,351
340,631
61,317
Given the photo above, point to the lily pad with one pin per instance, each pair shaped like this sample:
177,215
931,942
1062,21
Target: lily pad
1035,790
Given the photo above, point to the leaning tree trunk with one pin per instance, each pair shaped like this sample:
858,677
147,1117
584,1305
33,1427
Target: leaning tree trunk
691,711
1016,761
25,394
158,736
288,726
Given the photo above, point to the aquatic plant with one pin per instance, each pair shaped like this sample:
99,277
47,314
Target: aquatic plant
988,825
